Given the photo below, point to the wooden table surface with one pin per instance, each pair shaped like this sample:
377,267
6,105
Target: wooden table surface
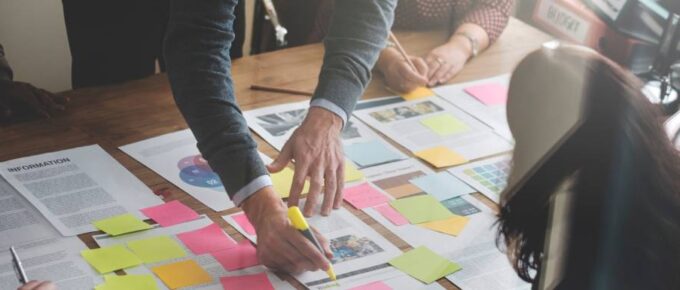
113,116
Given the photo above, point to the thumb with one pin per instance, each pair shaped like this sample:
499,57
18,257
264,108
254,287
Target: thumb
282,160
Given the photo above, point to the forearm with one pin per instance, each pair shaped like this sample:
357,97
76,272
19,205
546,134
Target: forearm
355,39
196,48
458,40
491,16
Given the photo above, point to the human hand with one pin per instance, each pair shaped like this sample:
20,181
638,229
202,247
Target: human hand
317,150
279,245
399,75
445,62
38,285
21,100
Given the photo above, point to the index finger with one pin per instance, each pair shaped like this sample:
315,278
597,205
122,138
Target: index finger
299,177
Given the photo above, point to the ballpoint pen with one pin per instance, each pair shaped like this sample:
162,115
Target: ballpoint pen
21,273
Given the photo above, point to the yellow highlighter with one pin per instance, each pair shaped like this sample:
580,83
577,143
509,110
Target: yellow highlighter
300,223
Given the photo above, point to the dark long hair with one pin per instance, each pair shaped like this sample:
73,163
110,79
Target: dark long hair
626,191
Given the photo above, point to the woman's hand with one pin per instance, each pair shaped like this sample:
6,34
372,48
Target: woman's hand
445,62
38,285
399,75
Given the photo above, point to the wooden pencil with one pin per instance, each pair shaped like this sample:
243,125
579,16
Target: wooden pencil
257,87
402,51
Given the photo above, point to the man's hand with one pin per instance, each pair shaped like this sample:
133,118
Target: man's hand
279,245
22,101
317,150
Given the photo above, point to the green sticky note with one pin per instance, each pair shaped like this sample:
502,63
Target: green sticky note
424,265
445,125
110,259
421,208
156,249
121,224
128,282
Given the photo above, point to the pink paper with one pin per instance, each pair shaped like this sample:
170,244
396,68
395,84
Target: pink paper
391,214
170,213
373,286
489,94
251,282
364,195
243,221
207,240
242,256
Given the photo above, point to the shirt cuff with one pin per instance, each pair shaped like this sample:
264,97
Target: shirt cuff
332,107
251,188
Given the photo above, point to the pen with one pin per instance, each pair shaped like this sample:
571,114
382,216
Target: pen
21,274
299,222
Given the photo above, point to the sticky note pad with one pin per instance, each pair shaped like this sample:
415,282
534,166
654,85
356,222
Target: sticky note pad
243,221
121,224
391,214
442,185
156,249
258,281
444,125
423,264
418,93
242,256
128,282
170,213
364,195
283,180
441,156
206,240
352,173
421,209
373,286
451,226
109,259
370,153
489,94
182,274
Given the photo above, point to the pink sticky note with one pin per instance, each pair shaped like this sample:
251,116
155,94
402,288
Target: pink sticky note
489,94
243,221
242,256
391,214
207,240
258,281
373,286
364,195
170,213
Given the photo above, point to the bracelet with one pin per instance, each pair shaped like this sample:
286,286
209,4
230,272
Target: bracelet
474,44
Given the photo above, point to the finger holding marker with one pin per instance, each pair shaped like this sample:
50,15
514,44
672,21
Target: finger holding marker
298,221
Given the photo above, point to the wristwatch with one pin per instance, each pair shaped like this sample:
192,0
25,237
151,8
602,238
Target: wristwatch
473,42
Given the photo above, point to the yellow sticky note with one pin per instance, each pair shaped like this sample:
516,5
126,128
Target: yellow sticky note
441,156
352,173
121,224
182,274
418,93
128,282
445,125
451,226
156,249
283,180
109,259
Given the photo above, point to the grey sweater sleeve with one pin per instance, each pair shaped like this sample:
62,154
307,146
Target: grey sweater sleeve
6,73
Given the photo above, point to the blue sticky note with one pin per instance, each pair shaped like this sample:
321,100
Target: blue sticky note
370,153
442,185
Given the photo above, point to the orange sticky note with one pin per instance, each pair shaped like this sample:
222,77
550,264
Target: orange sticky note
441,156
451,226
182,274
418,93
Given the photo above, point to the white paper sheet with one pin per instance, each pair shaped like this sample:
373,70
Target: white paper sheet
57,260
494,116
275,124
74,187
175,157
206,261
20,222
488,176
402,123
345,229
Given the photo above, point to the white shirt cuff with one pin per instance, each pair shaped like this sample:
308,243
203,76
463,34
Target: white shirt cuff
332,107
251,188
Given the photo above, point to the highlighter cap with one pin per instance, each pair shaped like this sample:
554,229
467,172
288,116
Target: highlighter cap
297,219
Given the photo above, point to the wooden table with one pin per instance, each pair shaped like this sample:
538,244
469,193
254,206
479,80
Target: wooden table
112,116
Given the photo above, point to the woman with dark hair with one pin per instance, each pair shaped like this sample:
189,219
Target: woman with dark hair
581,122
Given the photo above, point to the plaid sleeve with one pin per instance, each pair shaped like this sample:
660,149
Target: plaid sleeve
492,15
